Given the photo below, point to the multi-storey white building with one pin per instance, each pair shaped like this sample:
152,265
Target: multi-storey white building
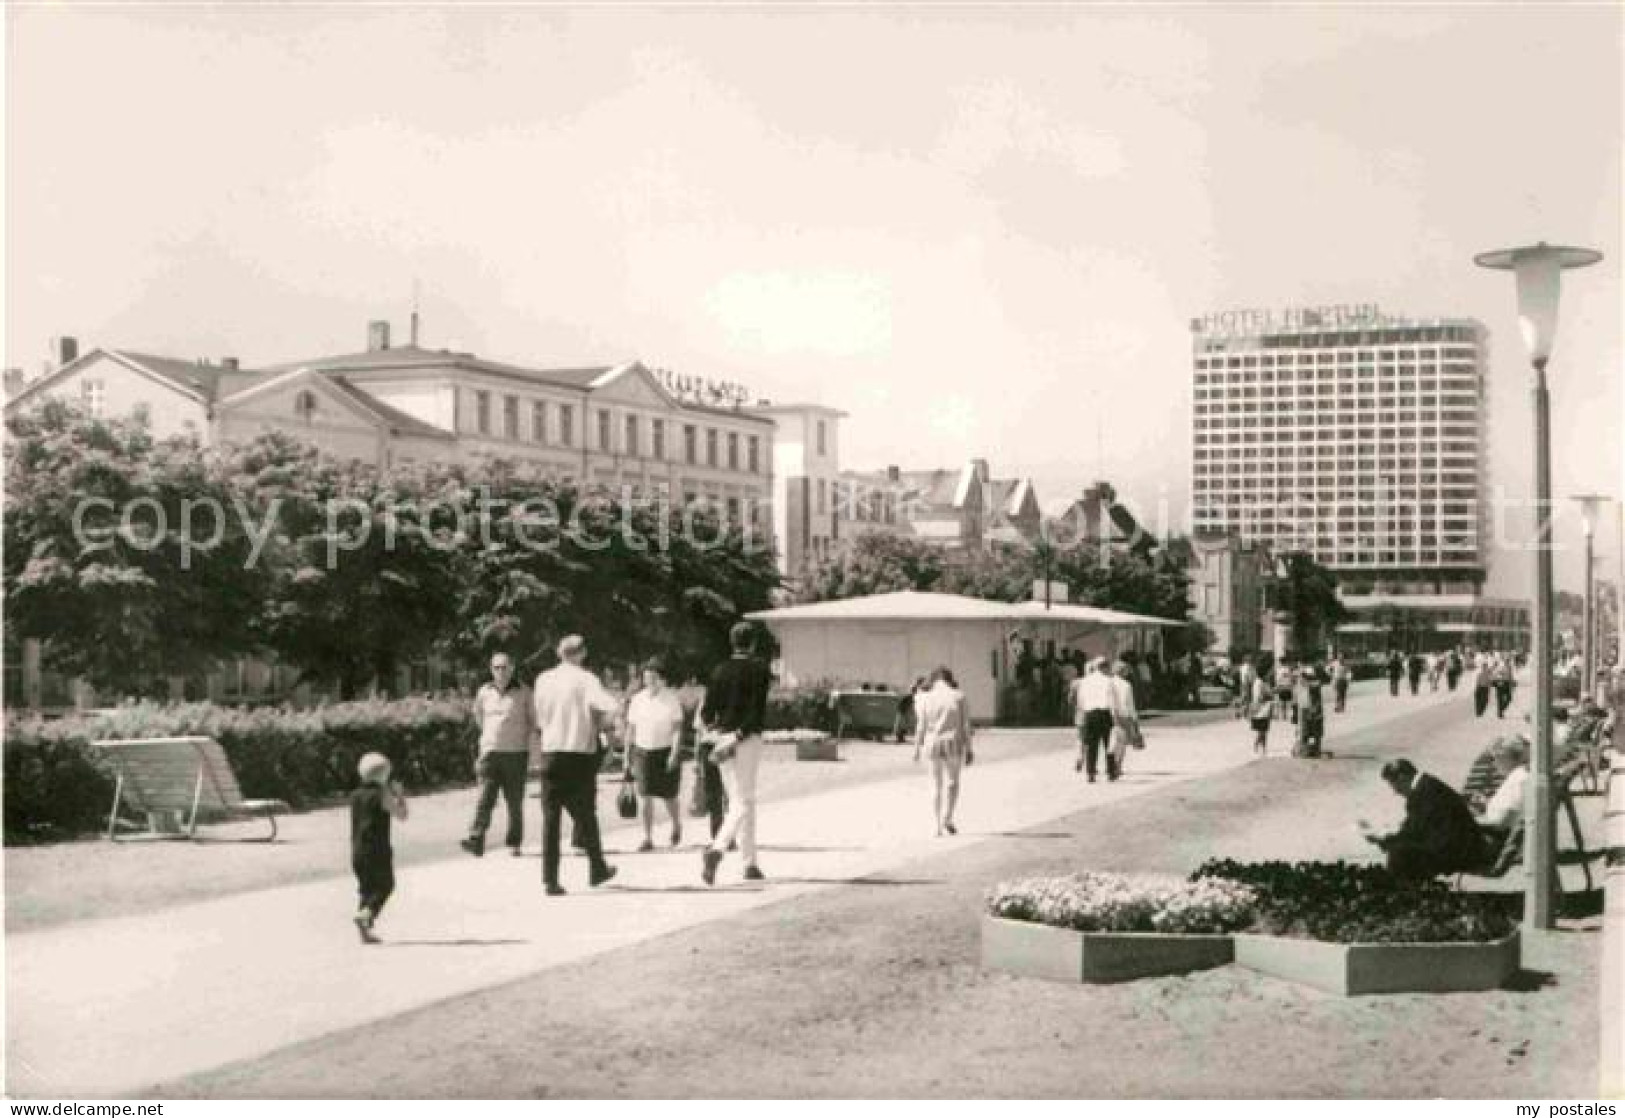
1350,435
806,473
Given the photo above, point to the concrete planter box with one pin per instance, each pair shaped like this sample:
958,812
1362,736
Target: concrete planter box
826,750
1382,968
1062,955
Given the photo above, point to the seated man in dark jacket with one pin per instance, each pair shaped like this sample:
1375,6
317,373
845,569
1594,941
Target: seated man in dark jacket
1439,834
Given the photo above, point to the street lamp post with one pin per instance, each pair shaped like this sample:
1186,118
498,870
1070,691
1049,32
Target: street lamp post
1590,505
1538,270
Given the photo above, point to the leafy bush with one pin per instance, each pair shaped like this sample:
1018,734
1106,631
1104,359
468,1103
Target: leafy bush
805,707
56,784
1341,902
1106,902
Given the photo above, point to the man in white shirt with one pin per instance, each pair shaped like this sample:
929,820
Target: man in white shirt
504,712
569,703
1092,713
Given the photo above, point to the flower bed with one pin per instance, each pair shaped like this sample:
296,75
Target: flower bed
1339,902
1096,927
1357,929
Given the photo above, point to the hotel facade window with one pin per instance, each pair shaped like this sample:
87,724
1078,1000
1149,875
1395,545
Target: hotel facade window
822,445
538,422
603,431
482,412
657,436
631,436
510,418
93,395
710,446
733,451
754,451
567,425
691,453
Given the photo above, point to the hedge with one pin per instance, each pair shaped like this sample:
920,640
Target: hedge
800,708
56,785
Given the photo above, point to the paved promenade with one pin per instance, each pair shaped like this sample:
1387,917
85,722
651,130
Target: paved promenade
106,1007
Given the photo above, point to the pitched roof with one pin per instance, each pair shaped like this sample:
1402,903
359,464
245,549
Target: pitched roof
409,357
399,421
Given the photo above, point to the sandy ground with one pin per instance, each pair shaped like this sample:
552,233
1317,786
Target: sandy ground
875,989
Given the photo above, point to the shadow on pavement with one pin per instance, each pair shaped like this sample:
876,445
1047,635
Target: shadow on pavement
1019,834
1528,981
858,880
453,942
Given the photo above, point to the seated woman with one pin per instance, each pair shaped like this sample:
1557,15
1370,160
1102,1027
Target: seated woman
1439,834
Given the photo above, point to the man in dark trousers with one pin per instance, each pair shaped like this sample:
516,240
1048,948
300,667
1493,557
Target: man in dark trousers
505,714
734,713
1414,667
569,703
1439,834
1396,671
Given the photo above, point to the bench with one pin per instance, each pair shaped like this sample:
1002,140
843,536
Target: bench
865,712
167,778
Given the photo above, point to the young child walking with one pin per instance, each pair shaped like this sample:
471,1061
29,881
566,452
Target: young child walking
371,807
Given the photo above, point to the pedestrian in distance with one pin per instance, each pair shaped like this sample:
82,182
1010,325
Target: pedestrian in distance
1340,683
1260,704
735,713
372,805
570,701
1092,714
1414,667
506,719
1501,680
1452,669
1483,679
1396,672
942,734
1125,732
654,759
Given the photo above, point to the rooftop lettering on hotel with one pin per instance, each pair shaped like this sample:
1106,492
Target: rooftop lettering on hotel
1262,320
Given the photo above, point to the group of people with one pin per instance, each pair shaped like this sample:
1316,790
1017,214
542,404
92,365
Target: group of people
1293,693
1105,714
561,721
1445,832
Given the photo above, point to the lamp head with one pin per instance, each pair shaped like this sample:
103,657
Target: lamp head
1590,505
1538,270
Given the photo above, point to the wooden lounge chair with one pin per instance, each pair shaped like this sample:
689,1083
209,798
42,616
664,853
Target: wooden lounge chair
1510,852
167,778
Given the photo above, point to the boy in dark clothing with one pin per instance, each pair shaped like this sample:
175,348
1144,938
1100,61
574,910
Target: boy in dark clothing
371,807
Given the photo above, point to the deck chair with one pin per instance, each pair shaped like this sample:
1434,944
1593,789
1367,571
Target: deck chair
169,777
1510,852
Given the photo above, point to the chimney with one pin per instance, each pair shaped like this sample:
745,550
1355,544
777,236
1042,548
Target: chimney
64,350
377,336
14,382
229,363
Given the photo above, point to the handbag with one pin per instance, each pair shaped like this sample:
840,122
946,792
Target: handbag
723,747
626,801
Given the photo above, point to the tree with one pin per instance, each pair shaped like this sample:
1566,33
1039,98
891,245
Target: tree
123,555
876,563
1307,594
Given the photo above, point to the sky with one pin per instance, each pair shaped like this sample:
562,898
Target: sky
982,232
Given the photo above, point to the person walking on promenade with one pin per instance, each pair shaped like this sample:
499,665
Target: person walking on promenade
654,757
1452,669
1311,714
372,858
1125,732
1284,679
1439,834
736,710
942,734
1501,679
569,701
1435,670
504,713
1414,667
1340,684
1396,671
1244,686
1092,714
1260,702
1483,678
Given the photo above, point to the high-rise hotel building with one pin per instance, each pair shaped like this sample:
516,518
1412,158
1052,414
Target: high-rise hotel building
1358,438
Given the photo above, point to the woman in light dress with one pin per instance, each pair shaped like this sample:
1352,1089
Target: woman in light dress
942,733
1125,719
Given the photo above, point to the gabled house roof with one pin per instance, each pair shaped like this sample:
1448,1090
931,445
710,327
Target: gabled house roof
203,382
